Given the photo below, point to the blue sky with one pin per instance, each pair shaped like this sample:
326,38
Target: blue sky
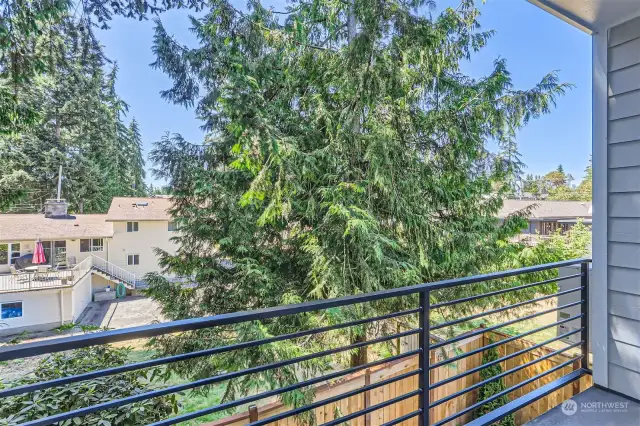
532,41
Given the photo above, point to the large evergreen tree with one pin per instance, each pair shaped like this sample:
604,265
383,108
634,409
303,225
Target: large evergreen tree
346,154
78,124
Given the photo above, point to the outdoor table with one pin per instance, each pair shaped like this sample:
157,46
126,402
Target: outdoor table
33,269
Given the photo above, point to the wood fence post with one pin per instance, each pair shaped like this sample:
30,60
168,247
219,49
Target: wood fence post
253,413
576,383
367,397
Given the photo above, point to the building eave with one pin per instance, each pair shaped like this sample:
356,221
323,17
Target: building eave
565,15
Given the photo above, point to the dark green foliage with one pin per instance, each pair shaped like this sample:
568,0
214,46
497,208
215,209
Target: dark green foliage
77,123
340,159
492,388
36,405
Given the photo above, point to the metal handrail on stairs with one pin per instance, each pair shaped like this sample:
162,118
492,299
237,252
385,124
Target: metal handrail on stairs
113,270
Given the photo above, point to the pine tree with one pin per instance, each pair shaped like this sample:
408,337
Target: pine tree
492,388
346,154
78,124
136,159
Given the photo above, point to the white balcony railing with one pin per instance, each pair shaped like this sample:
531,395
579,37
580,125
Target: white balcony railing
30,280
113,270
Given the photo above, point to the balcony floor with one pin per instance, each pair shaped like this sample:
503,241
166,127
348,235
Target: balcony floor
594,407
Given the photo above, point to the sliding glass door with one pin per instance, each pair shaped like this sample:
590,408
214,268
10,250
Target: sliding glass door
55,252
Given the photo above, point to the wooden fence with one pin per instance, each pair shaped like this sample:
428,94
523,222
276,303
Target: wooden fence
349,405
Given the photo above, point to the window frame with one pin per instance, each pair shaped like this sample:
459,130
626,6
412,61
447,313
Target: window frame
92,247
134,257
21,302
5,261
12,255
171,228
135,227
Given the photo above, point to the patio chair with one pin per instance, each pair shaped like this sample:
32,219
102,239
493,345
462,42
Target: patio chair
19,275
61,261
42,272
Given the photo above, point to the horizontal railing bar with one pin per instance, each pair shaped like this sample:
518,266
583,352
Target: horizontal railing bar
501,375
502,309
276,392
502,342
208,381
504,324
403,418
190,355
335,398
526,400
499,360
497,292
153,330
506,391
371,409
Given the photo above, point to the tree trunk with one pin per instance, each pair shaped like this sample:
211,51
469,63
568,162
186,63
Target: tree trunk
359,356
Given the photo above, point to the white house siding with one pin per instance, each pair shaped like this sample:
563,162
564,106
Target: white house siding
42,309
81,296
150,234
73,250
623,158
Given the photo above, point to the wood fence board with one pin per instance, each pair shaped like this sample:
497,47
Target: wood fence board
356,403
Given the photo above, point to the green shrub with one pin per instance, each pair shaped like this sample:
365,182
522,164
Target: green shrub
492,388
30,406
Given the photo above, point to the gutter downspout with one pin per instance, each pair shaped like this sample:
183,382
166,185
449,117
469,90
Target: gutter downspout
61,307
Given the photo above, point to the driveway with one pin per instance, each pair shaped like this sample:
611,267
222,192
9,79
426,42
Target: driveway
128,312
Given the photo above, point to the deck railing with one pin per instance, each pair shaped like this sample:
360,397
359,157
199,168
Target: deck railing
50,278
425,325
114,270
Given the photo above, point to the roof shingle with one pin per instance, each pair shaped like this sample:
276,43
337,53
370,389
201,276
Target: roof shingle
139,208
547,209
20,227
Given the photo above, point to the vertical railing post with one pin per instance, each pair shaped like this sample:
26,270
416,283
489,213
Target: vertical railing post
584,294
424,361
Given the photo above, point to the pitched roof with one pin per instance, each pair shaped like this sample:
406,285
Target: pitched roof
18,227
139,208
544,209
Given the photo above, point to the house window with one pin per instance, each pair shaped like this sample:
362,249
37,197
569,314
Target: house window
133,259
9,253
10,310
172,227
14,252
132,226
94,244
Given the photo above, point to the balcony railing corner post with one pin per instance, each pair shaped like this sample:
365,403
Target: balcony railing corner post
584,294
424,360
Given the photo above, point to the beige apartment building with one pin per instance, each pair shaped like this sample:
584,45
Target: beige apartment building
85,255
125,236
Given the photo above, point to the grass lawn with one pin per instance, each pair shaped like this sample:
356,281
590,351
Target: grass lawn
517,327
189,401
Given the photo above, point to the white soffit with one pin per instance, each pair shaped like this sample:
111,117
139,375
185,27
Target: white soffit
591,15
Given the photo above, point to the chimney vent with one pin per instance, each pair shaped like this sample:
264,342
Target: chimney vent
55,208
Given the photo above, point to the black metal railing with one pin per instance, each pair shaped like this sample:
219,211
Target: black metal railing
423,331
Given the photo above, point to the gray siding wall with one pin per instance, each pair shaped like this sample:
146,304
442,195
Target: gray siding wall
623,157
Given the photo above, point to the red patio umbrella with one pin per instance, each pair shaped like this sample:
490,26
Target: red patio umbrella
38,254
